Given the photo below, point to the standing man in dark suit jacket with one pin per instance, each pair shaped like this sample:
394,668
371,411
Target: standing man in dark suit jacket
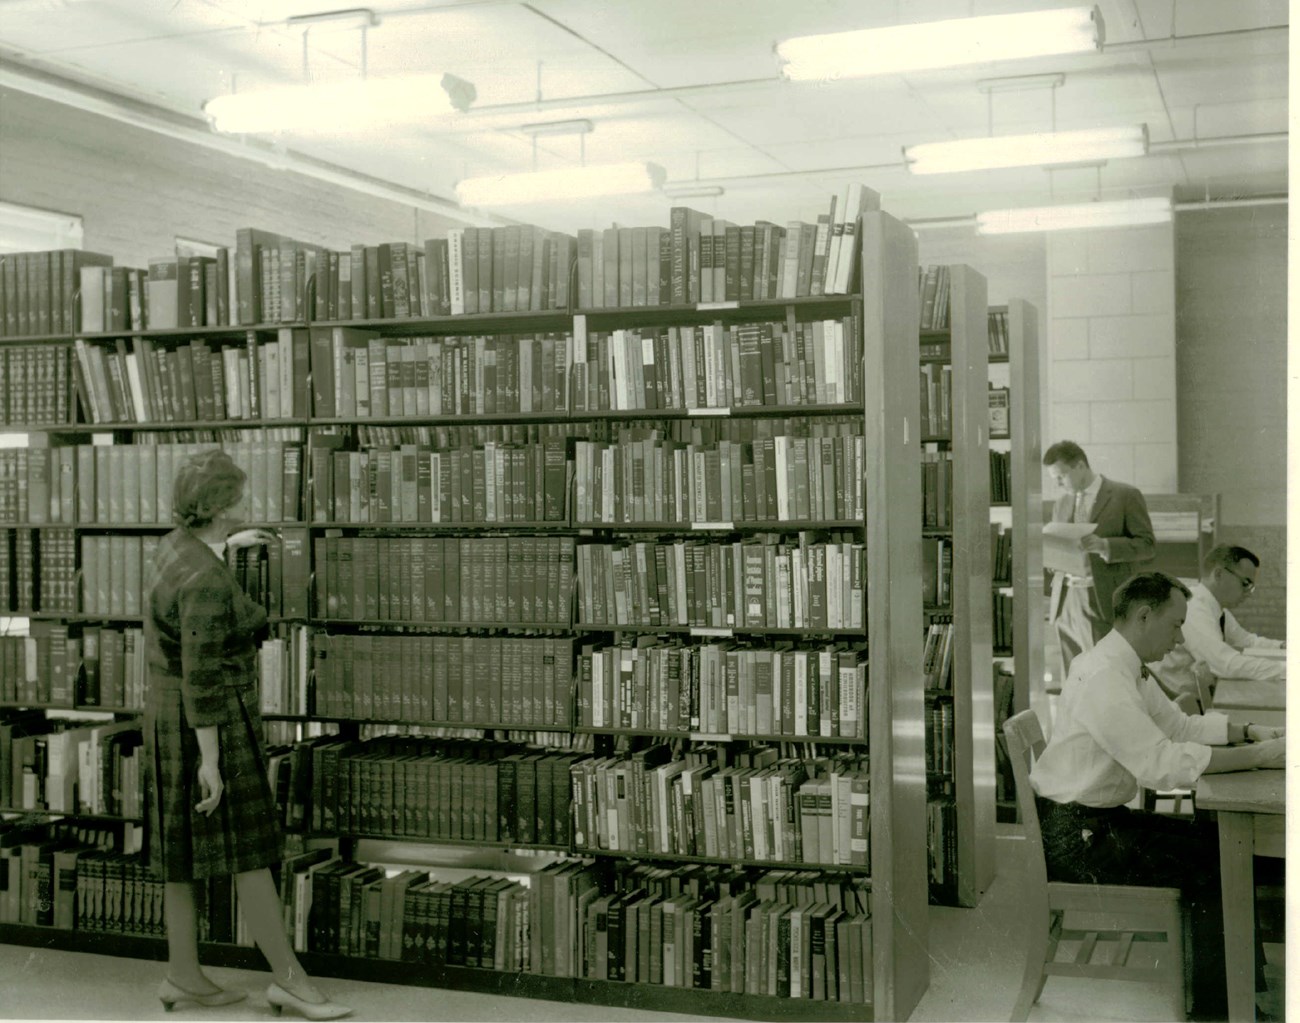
1081,608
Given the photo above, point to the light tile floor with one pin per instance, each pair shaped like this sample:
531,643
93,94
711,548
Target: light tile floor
975,969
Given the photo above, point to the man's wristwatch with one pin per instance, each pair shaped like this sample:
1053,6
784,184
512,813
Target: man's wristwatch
1245,732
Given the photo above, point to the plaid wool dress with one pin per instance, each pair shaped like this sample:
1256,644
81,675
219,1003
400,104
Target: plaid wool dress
201,635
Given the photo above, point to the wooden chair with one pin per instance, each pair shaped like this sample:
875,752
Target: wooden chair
1117,915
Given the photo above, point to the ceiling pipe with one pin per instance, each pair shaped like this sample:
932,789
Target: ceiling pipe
1190,205
704,88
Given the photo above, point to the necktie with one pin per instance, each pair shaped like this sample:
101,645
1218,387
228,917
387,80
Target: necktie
1144,673
1223,623
1078,508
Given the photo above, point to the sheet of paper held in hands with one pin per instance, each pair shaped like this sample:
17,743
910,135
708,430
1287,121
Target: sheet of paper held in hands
1061,547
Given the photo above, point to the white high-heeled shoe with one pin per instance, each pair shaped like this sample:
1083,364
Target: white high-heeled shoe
280,999
169,993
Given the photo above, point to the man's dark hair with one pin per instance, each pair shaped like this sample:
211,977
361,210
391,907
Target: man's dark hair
1226,556
1147,589
1065,451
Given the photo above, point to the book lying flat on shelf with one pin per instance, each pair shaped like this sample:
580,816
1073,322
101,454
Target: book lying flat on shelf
1062,547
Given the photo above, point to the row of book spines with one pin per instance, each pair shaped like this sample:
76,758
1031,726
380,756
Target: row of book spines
433,579
495,483
716,366
752,584
35,384
941,841
936,489
518,682
782,477
719,690
999,333
1003,622
358,373
777,814
149,383
936,656
101,667
935,284
1001,547
39,290
184,291
999,476
939,737
936,571
103,777
731,944
284,671
38,569
43,881
472,270
516,798
124,484
936,400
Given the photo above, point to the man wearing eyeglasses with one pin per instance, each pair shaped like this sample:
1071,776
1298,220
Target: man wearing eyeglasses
1212,635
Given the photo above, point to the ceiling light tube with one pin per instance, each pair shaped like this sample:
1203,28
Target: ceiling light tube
565,183
693,191
1040,149
327,106
576,126
1118,213
941,44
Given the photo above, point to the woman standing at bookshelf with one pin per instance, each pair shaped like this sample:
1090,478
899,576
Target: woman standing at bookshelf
211,809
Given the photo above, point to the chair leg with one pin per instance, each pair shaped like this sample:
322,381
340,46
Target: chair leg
1178,932
1041,950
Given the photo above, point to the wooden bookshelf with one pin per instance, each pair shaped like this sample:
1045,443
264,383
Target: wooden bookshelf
884,315
1019,370
968,824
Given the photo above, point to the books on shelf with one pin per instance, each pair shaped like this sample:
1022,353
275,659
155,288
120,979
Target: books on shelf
999,334
936,400
521,682
936,489
36,385
720,689
645,475
1000,545
1176,526
359,374
999,412
204,380
937,655
41,292
521,580
934,286
999,477
63,767
764,582
936,571
765,808
718,365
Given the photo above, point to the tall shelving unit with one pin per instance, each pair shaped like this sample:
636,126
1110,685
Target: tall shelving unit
884,309
1018,370
971,815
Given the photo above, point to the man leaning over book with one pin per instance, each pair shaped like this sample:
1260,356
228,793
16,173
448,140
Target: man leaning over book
1212,635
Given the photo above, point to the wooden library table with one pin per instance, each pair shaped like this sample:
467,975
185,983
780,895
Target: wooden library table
1248,699
1251,807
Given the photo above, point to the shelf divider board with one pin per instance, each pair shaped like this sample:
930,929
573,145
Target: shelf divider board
1028,605
891,352
973,752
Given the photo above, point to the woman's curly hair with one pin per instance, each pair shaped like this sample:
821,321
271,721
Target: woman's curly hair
206,484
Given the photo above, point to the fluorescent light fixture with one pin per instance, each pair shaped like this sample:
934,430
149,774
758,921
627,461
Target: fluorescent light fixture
565,183
1119,213
328,106
576,126
1046,149
941,44
693,191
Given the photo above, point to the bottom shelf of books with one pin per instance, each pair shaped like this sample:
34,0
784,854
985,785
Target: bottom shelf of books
490,888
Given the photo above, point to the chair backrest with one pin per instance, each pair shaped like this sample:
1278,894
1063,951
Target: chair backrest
1024,735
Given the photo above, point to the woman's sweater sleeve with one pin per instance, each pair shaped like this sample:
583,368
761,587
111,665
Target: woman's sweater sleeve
207,618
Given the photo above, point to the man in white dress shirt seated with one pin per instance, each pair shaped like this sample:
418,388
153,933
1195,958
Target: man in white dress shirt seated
1115,730
1212,636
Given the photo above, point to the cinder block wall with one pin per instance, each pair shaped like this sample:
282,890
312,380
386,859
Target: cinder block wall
137,190
1111,352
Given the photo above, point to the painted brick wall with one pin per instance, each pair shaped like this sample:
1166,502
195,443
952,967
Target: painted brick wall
1111,375
137,190
1264,611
